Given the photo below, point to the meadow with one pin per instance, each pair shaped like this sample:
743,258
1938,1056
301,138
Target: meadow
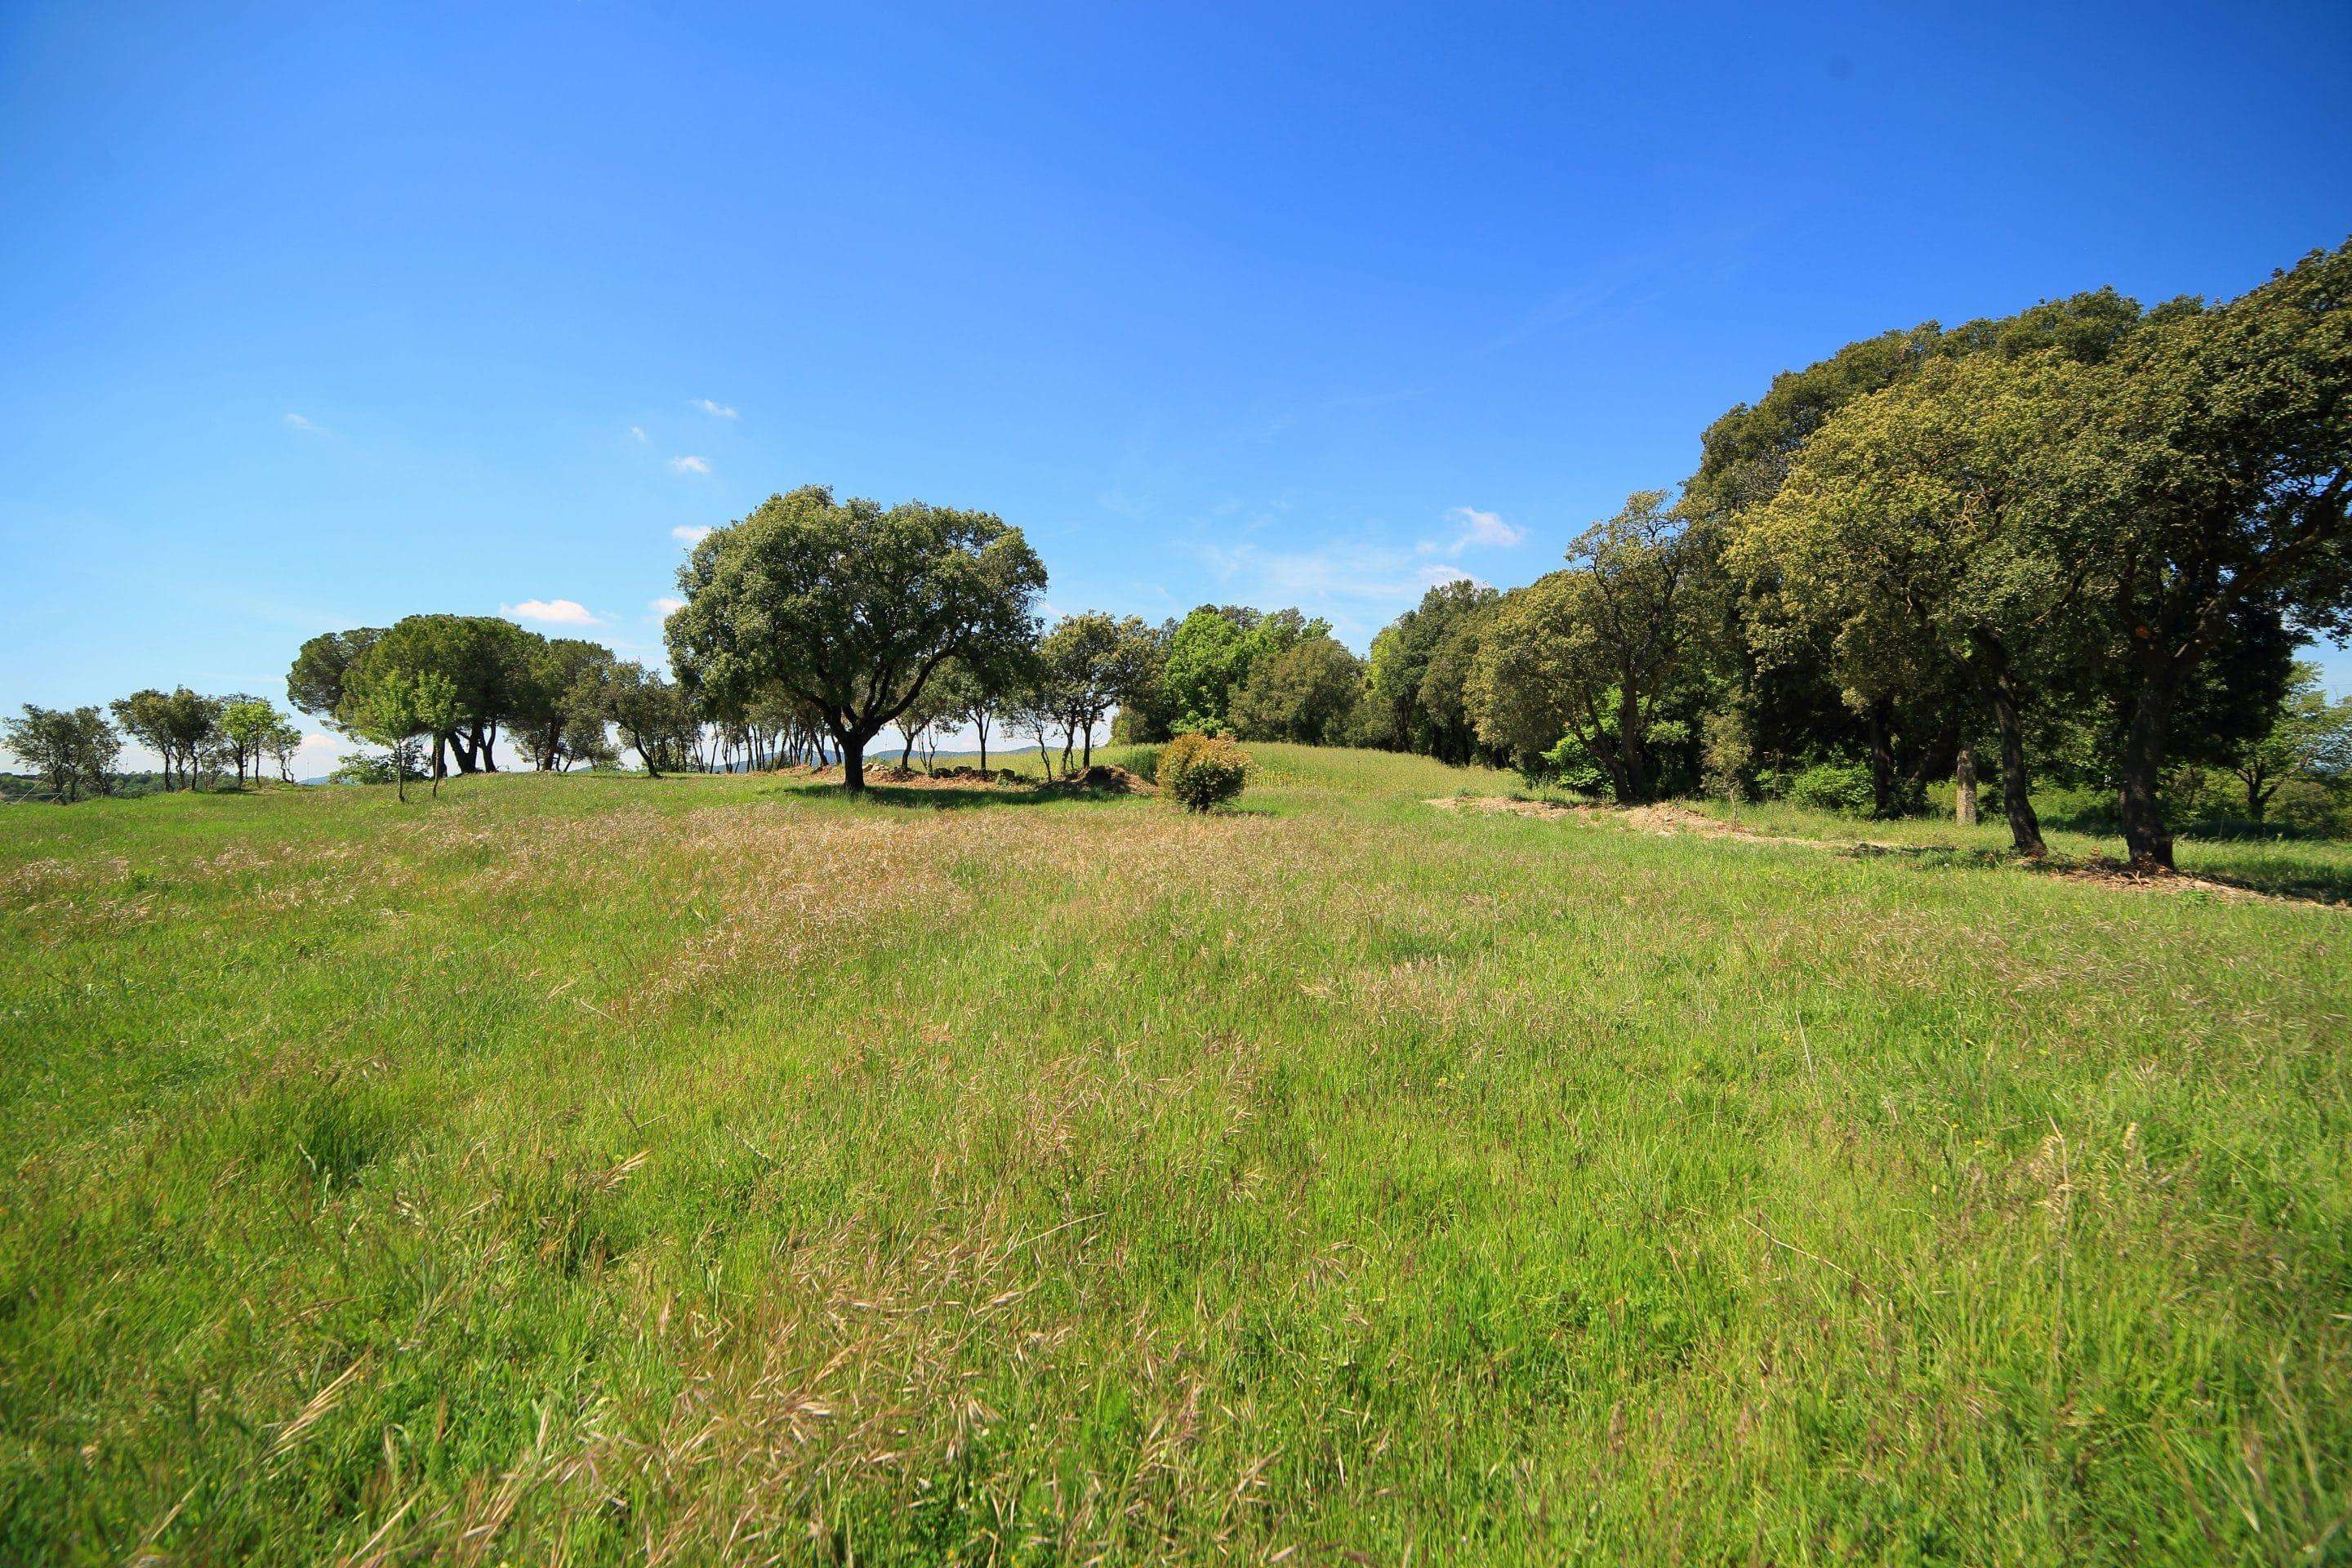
716,1169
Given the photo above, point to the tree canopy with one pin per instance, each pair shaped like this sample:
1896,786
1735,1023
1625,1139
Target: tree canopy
851,606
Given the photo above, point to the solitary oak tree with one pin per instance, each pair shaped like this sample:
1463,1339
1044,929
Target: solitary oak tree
850,607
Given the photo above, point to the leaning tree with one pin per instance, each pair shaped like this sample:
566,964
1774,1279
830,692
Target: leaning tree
850,606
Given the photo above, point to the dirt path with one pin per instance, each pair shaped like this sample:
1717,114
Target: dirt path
1668,820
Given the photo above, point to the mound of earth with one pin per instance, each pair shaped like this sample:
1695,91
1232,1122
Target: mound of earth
1109,780
957,777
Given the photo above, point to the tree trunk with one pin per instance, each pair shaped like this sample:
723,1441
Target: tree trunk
2016,788
2258,796
982,726
852,763
1088,759
1964,788
1882,760
2148,846
1628,742
906,754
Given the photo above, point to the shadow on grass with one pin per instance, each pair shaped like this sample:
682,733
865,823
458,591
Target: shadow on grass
2303,883
976,799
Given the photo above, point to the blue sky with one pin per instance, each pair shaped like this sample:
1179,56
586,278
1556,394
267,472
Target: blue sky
316,316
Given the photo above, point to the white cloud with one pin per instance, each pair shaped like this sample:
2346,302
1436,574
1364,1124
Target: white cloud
666,606
295,422
1483,528
716,410
1364,573
690,534
1473,530
555,612
690,465
639,432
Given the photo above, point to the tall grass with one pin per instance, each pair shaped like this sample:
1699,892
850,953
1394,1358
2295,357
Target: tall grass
716,1169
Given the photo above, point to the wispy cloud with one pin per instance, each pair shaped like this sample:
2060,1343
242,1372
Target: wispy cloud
639,432
690,465
297,422
553,612
716,410
665,606
1347,571
1474,527
690,534
1576,303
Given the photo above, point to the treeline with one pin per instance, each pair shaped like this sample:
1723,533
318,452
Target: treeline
2078,544
201,740
440,691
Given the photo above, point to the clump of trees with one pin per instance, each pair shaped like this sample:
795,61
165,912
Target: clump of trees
1417,678
1580,665
550,697
1261,675
73,750
199,740
2083,541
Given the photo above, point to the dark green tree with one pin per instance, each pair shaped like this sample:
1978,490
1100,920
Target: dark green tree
1307,693
315,684
2215,475
850,607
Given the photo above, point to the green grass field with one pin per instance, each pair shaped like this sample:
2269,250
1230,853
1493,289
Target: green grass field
601,1168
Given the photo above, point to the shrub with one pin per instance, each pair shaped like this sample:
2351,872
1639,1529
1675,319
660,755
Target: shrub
1725,752
1832,786
363,768
1143,761
1198,772
1168,767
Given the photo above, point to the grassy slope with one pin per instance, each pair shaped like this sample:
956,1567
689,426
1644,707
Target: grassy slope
712,1168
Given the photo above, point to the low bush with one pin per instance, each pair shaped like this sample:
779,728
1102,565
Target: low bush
1832,786
1200,772
363,768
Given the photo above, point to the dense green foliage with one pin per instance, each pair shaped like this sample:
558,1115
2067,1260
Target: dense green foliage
603,1169
848,609
2084,540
